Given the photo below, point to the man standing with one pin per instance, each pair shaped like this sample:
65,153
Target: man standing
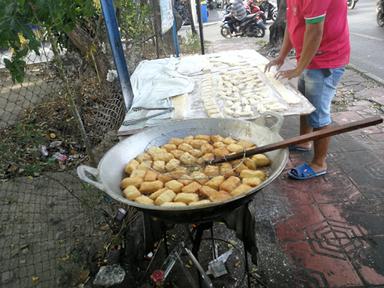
318,30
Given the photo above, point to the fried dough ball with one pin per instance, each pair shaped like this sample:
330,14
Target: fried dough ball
169,147
251,164
199,177
217,138
156,194
211,170
166,196
131,192
164,177
229,140
185,147
203,137
253,173
215,182
220,152
241,189
187,159
135,181
138,173
159,165
132,165
191,188
206,191
245,144
219,145
176,141
143,156
226,169
198,143
174,185
261,160
151,186
196,153
187,197
230,184
206,148
235,148
172,164
219,196
177,153
252,181
150,175
144,200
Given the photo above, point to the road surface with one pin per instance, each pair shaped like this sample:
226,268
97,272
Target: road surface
367,39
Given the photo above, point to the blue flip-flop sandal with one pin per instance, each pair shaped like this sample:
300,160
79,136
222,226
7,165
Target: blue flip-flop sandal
304,172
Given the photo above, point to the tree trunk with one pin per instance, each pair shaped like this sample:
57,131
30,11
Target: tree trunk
277,29
85,44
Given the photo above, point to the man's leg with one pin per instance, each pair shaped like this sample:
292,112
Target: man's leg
304,124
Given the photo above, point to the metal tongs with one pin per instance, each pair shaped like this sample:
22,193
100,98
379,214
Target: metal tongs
164,110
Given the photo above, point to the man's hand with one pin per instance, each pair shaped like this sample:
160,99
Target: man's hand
275,62
289,74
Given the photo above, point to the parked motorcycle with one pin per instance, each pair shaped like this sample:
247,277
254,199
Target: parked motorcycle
380,13
251,26
351,4
269,10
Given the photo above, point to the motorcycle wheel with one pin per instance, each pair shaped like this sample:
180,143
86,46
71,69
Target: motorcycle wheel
351,4
380,18
259,33
225,32
274,16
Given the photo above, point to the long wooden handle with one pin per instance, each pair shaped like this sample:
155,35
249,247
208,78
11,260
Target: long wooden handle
327,132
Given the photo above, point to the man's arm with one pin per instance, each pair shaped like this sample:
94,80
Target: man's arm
312,40
285,48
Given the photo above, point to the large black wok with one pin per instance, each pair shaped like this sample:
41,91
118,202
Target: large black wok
110,171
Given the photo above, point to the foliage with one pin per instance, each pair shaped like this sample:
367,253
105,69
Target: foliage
19,20
135,20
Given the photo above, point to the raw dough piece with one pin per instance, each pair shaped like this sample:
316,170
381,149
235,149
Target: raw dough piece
191,188
187,197
241,189
166,196
151,186
174,185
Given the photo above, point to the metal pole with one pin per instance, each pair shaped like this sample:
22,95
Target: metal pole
117,51
174,36
198,9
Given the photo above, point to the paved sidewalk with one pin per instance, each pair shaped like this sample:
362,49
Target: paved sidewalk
329,231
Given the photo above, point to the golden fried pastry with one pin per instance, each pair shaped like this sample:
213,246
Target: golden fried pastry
211,170
229,140
177,153
132,165
226,169
176,141
196,153
150,175
151,186
144,200
146,164
187,159
200,202
219,196
166,196
199,177
173,204
235,148
186,197
157,193
185,147
162,156
252,181
191,188
240,167
261,160
203,137
241,189
185,179
208,157
215,182
143,156
174,185
220,152
219,145
230,184
251,164
170,147
135,181
131,192
139,173
217,138
172,164
206,148
188,138
164,177
253,173
197,143
205,191
159,165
